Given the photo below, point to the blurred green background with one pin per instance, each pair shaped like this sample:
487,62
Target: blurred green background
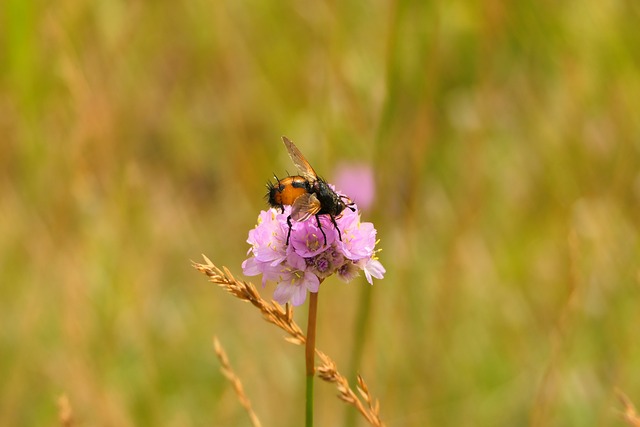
505,137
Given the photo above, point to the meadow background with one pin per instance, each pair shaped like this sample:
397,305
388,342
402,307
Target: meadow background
505,139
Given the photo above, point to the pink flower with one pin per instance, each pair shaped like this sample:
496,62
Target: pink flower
357,180
295,281
308,240
358,238
299,267
372,268
268,238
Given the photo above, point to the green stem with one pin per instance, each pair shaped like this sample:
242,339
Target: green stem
309,408
310,351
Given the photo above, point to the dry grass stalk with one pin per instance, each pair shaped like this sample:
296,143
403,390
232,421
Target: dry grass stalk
630,415
283,318
65,413
272,312
327,371
235,382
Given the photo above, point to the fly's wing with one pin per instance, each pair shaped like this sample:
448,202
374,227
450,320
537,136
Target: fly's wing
298,159
304,207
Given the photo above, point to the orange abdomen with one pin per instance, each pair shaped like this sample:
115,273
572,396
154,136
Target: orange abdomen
285,191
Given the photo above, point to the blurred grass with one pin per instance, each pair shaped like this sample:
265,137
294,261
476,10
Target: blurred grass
506,142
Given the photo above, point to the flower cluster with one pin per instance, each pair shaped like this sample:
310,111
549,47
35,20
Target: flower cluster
301,265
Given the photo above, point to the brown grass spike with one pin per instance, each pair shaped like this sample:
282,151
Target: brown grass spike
65,413
630,415
228,372
327,371
272,312
283,318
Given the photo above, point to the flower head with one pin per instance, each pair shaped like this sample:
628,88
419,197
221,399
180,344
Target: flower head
301,265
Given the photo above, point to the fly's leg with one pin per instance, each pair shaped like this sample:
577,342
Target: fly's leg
335,224
320,227
289,224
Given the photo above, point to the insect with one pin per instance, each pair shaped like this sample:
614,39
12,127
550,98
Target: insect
307,194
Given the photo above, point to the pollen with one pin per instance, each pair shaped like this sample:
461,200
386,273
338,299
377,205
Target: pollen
313,242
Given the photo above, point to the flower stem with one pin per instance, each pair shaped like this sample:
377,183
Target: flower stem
310,356
309,405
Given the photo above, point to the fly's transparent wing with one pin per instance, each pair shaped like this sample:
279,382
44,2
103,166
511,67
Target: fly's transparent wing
304,207
298,159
